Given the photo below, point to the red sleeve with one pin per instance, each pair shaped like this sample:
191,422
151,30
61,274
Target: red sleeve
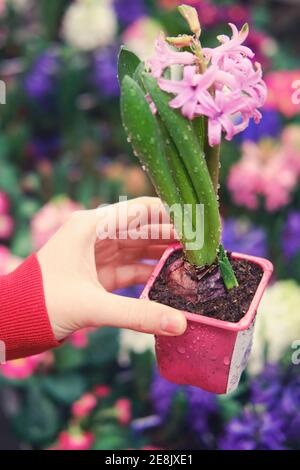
24,323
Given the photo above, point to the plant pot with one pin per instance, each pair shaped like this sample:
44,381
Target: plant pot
211,354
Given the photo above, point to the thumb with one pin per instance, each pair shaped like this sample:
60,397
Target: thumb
136,314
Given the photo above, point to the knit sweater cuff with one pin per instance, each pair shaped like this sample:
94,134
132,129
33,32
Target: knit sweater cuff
25,328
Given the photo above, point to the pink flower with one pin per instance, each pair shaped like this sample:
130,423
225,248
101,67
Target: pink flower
6,226
229,92
79,340
102,391
75,440
8,262
281,92
50,218
269,170
231,48
221,111
189,90
123,408
21,369
83,407
164,57
4,203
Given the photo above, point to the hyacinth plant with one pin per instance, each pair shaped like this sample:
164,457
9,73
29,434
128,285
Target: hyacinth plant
175,109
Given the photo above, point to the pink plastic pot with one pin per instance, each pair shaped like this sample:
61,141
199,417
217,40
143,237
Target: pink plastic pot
211,354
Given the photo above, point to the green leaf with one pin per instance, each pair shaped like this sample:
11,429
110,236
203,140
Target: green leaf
69,358
38,421
128,63
103,347
183,135
65,388
111,437
228,275
143,132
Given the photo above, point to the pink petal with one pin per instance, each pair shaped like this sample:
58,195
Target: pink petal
214,132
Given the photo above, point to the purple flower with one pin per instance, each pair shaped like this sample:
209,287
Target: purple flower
291,235
290,403
39,82
270,126
242,237
201,406
134,291
129,11
162,393
266,389
293,430
254,430
45,147
106,71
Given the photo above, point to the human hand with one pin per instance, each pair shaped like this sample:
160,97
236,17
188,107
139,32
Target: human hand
80,270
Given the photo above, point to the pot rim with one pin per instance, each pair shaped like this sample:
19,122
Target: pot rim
248,318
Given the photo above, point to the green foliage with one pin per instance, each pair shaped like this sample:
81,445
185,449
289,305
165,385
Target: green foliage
127,64
64,388
228,275
38,419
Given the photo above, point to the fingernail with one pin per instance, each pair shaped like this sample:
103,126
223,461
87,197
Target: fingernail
173,324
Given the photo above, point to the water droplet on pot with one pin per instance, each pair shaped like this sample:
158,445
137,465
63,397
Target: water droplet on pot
226,360
192,327
213,358
181,350
187,356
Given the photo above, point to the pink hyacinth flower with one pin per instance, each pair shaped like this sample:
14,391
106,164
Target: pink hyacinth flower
164,57
21,369
221,111
230,47
50,218
102,391
83,407
189,90
123,407
75,440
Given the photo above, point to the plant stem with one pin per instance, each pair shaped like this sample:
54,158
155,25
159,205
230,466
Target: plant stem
192,158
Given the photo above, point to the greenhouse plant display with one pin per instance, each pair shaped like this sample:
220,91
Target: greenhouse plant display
175,108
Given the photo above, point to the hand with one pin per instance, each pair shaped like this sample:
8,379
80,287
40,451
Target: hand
80,270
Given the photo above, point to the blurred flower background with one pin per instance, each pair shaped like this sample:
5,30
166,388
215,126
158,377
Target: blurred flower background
62,147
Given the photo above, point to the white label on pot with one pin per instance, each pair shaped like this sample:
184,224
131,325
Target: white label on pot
240,357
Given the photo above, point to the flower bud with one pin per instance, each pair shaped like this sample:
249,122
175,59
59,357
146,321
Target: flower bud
191,16
180,41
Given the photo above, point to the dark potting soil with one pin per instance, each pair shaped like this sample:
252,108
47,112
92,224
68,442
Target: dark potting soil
225,305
